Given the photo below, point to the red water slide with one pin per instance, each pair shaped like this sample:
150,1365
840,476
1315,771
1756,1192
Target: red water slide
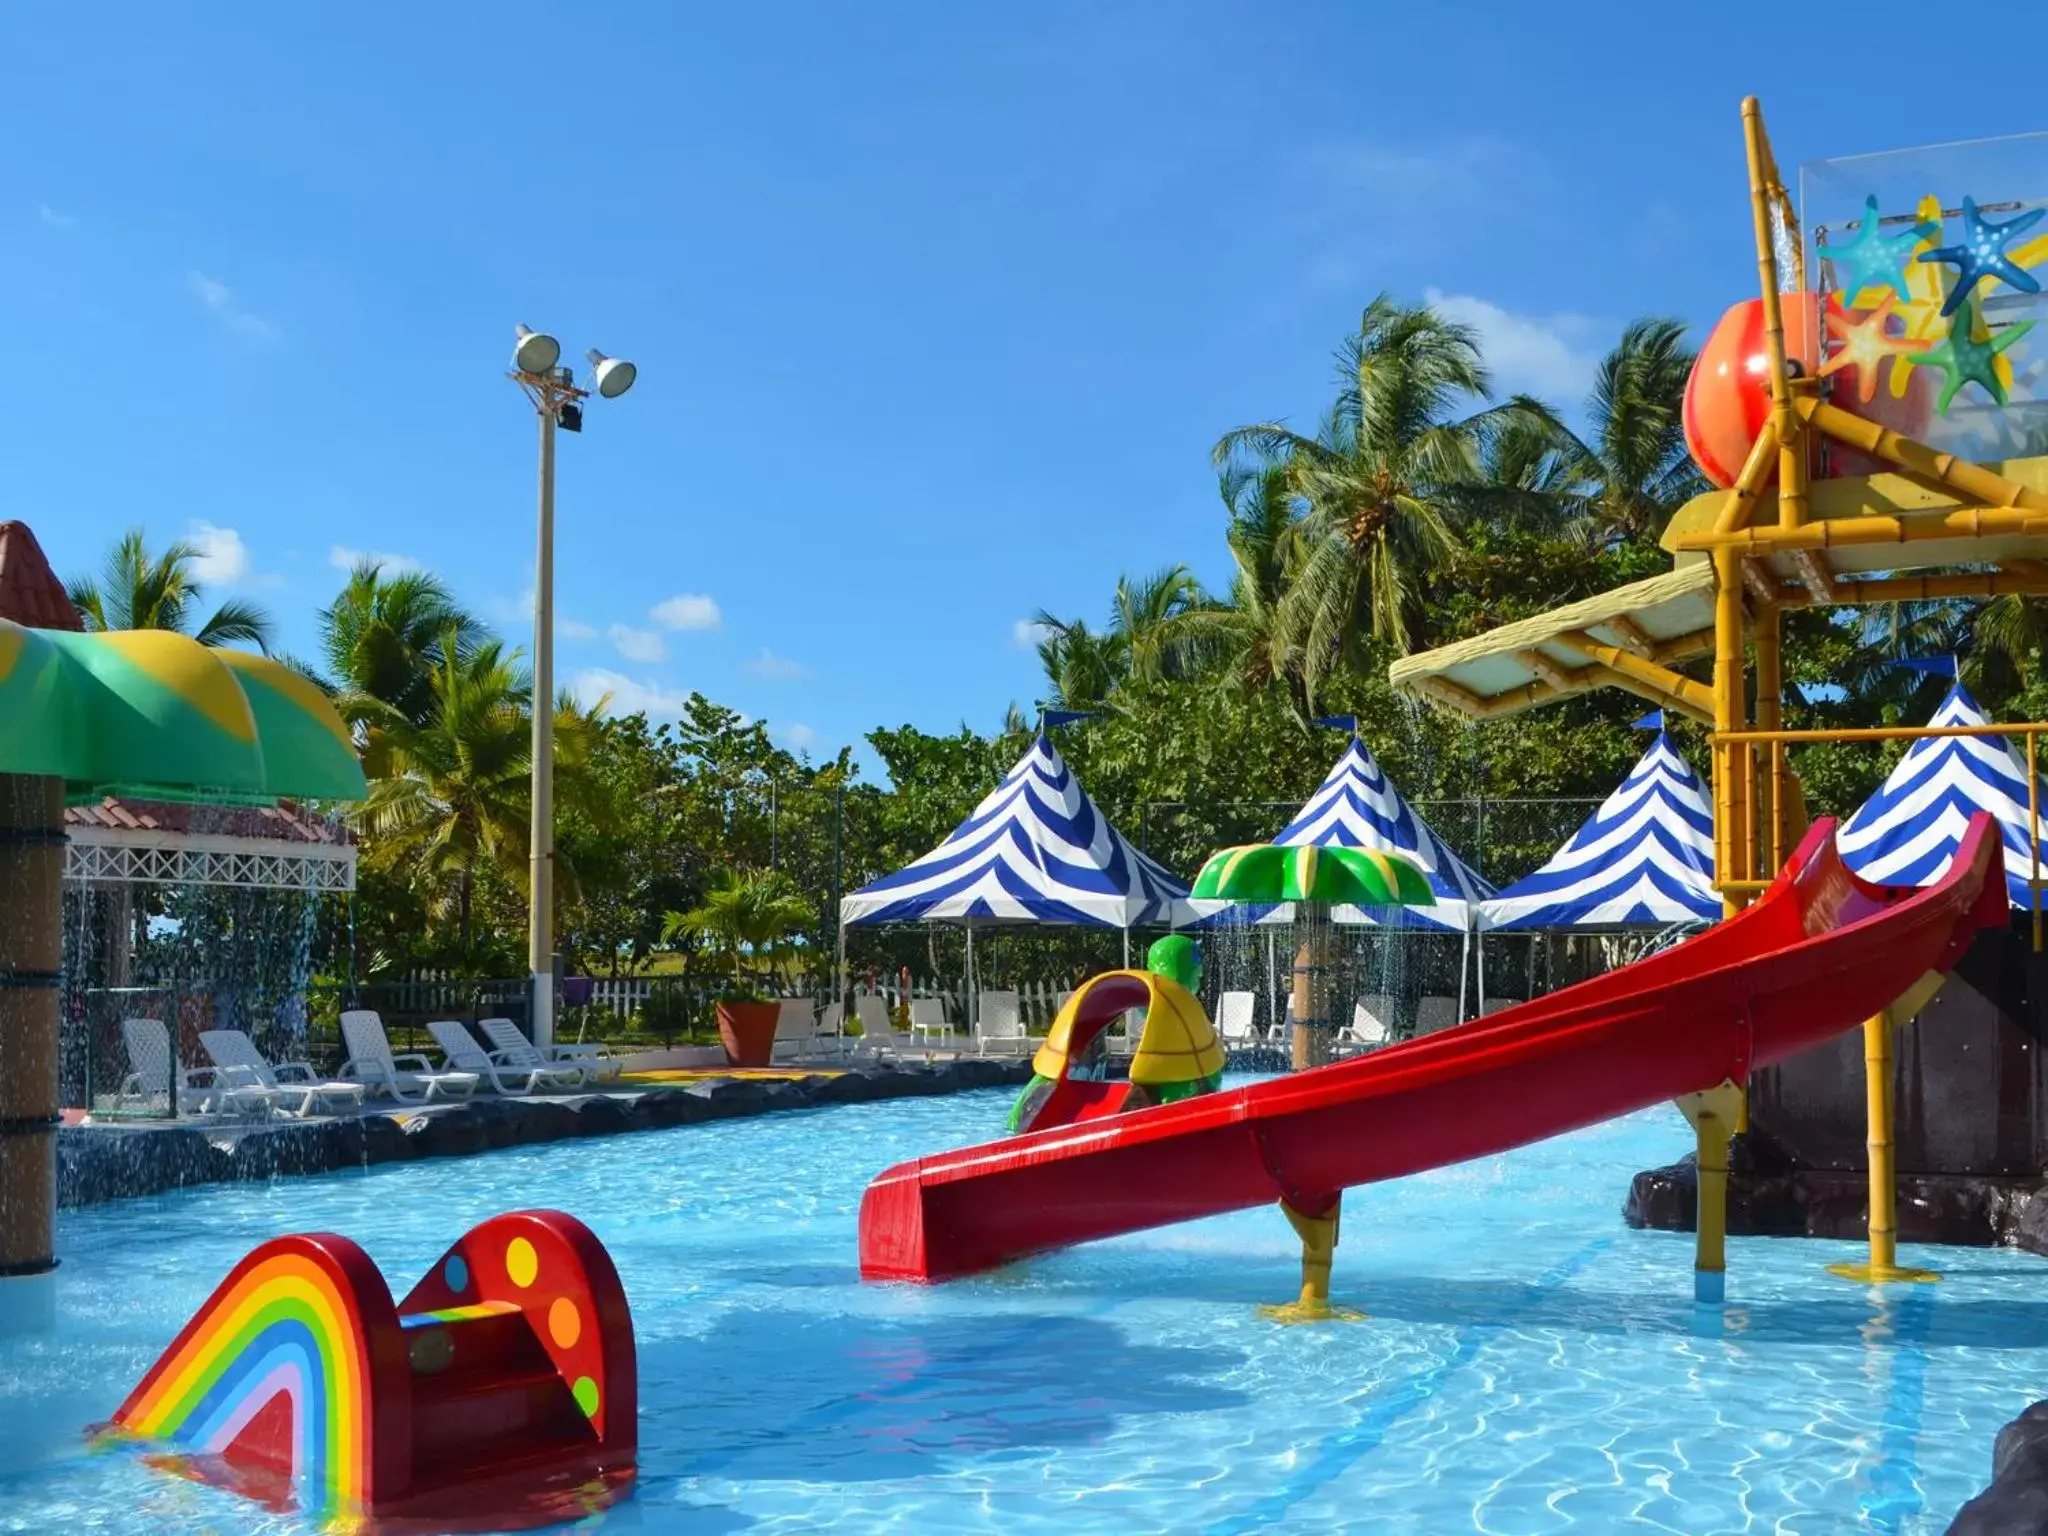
1817,954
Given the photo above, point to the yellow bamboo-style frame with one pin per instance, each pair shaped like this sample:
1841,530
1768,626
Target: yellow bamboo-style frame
1755,811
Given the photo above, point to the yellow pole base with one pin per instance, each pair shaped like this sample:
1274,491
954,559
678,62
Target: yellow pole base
1883,1274
1318,1251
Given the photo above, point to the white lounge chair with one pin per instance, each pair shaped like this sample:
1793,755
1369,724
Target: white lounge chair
292,1087
598,1063
371,1063
1499,1005
1368,1030
1435,1013
929,1025
200,1089
461,1053
999,1025
1237,1020
796,1030
878,1026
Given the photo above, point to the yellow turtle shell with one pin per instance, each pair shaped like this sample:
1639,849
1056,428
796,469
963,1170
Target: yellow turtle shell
1178,1045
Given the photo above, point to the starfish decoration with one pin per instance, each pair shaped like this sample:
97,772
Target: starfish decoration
1865,345
1875,259
1964,358
1982,253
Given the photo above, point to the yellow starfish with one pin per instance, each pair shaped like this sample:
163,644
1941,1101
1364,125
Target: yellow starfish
1865,345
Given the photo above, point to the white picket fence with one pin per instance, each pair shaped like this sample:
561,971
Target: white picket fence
1040,1001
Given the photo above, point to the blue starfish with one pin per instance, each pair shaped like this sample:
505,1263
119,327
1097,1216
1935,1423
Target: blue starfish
1874,259
1963,359
1982,253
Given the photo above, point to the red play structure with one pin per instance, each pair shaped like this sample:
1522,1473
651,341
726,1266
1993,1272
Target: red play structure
1820,952
502,1392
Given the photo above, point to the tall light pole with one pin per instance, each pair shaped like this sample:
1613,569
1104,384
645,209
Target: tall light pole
537,369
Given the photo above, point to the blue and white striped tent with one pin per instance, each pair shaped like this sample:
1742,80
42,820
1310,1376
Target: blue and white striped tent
1644,859
1357,806
1908,832
1035,851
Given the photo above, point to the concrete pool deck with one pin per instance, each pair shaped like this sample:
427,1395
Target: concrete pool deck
115,1161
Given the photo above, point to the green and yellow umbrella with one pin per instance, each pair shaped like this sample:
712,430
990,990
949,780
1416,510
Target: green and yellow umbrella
1274,872
156,713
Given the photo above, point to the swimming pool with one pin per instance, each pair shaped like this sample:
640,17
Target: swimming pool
1528,1364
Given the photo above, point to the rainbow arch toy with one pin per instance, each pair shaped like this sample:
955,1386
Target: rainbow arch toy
502,1391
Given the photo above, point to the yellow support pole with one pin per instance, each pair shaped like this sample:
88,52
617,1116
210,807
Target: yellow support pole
1883,1264
1713,1114
1770,688
1318,1236
1729,811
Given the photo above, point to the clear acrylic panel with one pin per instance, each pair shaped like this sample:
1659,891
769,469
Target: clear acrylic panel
1932,264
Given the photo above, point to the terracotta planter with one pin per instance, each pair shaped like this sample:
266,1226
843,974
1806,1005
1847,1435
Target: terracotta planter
747,1030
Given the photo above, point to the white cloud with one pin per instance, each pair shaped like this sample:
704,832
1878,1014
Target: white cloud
781,668
1026,634
342,558
642,645
219,300
223,559
796,736
623,695
576,629
687,610
63,223
1552,355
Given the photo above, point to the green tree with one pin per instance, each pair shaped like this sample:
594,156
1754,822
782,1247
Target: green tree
1385,482
1635,471
386,636
747,914
137,590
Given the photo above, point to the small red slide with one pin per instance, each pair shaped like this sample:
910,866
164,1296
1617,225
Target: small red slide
1817,954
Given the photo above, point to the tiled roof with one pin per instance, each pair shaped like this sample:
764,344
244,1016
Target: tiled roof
284,822
30,592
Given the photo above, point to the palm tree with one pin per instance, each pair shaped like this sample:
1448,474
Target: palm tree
1151,616
383,638
451,791
137,591
1082,665
1245,639
745,913
1636,471
1384,483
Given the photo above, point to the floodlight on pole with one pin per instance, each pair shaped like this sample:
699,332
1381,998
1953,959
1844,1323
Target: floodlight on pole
534,351
537,370
614,375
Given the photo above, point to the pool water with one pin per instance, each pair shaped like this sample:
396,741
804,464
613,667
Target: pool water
1527,1364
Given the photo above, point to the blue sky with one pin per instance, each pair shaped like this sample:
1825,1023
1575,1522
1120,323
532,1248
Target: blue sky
938,307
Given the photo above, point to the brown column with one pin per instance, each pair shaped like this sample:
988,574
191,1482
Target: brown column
31,953
1312,1021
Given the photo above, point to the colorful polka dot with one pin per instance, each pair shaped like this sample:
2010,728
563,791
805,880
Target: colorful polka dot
585,1393
521,1262
456,1273
565,1323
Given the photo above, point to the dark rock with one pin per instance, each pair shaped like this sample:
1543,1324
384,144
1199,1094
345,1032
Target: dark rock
794,1093
546,1120
497,1120
1963,1210
731,1096
2017,1500
664,1108
99,1164
599,1115
385,1141
447,1133
846,1088
318,1147
2030,1229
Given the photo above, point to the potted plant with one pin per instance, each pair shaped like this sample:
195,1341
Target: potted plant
747,917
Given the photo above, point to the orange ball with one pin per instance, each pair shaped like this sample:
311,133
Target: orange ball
1728,397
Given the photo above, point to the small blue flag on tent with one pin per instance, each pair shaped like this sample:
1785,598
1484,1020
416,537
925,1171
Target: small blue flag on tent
1049,718
1653,721
1338,723
1933,666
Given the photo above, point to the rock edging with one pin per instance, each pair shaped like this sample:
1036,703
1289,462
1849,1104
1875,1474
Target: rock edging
100,1163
